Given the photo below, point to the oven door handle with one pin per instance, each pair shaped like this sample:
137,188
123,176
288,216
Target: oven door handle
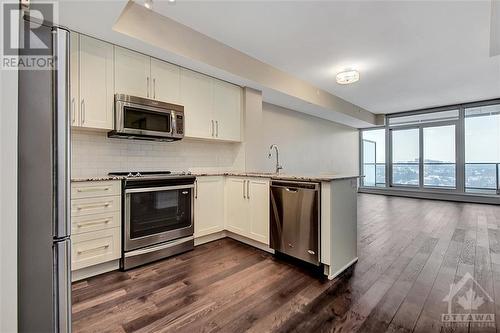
157,189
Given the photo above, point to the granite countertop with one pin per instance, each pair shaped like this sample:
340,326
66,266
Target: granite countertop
97,178
308,178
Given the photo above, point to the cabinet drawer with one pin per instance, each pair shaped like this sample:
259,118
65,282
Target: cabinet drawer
95,189
98,205
94,248
94,222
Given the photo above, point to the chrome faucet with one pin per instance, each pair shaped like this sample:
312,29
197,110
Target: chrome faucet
278,166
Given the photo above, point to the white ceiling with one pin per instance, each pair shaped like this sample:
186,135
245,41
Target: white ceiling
411,54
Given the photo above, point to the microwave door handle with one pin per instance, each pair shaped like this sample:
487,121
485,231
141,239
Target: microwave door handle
173,123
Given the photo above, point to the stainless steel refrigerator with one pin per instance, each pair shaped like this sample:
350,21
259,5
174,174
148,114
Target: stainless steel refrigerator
44,224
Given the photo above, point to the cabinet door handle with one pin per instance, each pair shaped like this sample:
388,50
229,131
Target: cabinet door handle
73,111
90,206
154,88
244,194
82,111
217,128
196,189
147,86
92,189
248,189
213,128
93,249
86,224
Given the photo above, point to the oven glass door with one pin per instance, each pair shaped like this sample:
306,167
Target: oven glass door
158,214
146,121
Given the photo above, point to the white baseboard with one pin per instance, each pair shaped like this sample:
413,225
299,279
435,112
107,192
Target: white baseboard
225,233
95,270
249,241
209,238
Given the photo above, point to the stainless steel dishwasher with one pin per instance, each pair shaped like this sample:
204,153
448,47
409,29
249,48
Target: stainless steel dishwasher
295,219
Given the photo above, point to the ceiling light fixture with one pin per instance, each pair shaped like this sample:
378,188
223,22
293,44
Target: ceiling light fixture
171,1
148,4
347,77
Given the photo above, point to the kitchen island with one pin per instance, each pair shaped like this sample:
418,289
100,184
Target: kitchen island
338,226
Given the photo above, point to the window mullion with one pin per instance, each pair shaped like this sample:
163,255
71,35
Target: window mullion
421,157
460,151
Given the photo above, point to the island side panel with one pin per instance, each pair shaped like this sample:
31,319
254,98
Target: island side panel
343,226
325,227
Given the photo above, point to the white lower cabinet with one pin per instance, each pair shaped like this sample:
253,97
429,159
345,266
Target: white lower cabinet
97,247
208,205
258,214
236,205
247,207
95,223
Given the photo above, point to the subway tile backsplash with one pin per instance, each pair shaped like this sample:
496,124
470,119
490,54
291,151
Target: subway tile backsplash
94,154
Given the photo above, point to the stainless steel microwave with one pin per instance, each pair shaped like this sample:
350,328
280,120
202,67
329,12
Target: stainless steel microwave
145,119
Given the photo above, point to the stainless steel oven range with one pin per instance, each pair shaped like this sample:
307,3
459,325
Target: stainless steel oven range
157,215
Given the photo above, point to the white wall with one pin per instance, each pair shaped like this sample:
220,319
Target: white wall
308,145
8,201
94,154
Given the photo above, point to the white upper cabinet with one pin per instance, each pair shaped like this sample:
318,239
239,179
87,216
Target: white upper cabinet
227,110
212,107
196,96
208,205
96,83
166,81
74,81
132,73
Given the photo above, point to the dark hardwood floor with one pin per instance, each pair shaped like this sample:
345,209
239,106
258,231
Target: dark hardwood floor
410,251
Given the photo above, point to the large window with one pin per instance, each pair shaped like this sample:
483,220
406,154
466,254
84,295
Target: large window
439,156
448,150
405,157
482,149
373,147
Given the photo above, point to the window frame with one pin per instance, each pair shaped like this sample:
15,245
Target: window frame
361,154
497,167
391,163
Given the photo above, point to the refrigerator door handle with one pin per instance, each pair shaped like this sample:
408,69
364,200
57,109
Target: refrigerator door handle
62,125
62,286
